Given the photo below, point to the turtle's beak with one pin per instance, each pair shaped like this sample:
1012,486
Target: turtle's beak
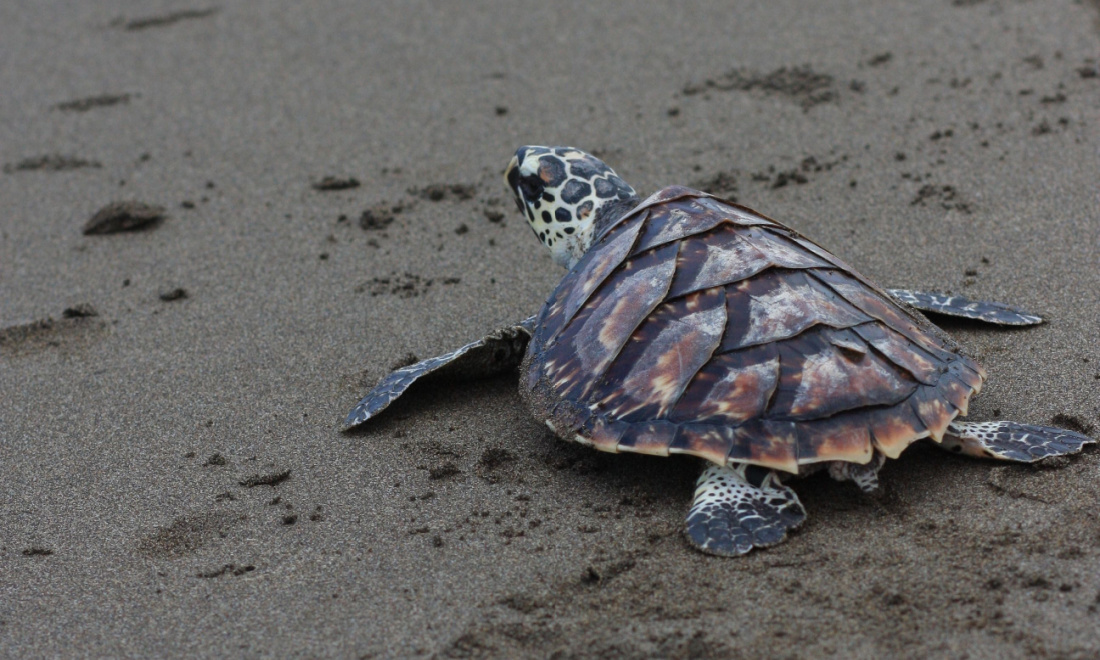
511,174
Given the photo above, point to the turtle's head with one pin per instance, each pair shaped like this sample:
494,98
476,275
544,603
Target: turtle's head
568,197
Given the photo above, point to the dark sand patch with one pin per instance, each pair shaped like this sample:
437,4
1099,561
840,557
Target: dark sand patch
185,535
723,184
79,311
232,570
946,196
92,102
47,333
173,294
51,163
800,84
164,20
216,460
403,285
438,192
330,183
272,479
119,217
380,216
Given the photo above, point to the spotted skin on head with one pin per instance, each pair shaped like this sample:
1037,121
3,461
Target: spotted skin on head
561,191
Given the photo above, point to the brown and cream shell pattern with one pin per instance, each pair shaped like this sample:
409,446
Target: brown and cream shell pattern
697,326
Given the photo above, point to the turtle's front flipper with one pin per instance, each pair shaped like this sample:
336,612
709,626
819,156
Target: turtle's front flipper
1009,441
488,356
958,306
741,507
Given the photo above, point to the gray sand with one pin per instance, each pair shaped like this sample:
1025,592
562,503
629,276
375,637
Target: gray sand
456,525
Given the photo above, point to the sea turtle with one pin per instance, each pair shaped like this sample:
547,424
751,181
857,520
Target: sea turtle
687,324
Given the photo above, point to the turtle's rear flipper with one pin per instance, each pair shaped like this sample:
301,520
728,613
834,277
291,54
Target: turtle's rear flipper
494,354
741,507
865,476
1009,441
958,306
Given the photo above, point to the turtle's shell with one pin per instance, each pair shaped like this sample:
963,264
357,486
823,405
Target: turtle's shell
701,327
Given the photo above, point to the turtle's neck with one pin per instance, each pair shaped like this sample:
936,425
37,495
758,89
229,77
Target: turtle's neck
609,215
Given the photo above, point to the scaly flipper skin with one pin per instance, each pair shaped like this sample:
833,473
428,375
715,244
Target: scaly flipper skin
958,306
741,507
1009,441
864,476
488,356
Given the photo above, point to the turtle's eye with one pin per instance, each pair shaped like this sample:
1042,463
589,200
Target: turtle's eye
532,187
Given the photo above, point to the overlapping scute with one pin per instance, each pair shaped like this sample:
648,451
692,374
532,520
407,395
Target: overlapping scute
698,326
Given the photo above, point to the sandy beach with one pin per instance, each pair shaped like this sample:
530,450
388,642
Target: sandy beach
173,479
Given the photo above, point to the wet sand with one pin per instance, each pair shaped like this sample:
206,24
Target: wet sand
172,477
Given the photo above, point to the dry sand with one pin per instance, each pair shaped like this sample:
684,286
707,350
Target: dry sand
938,144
